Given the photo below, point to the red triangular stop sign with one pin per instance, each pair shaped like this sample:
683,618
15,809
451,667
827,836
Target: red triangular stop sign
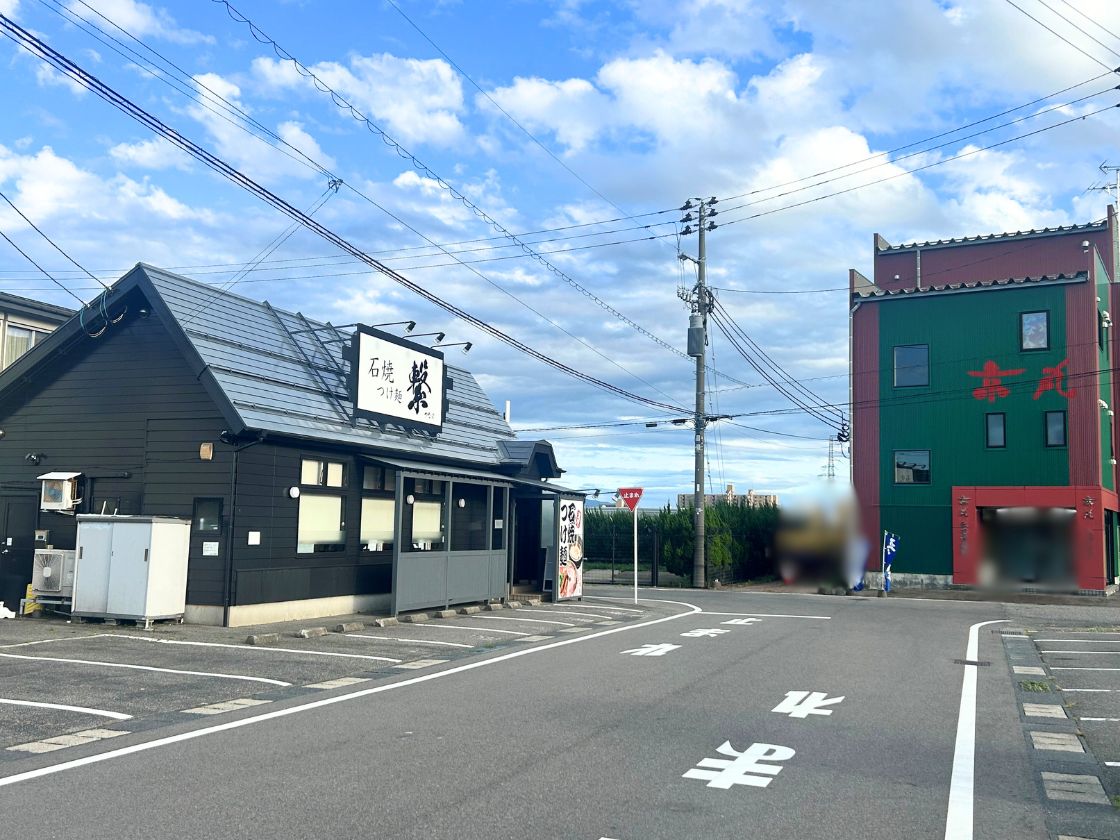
630,495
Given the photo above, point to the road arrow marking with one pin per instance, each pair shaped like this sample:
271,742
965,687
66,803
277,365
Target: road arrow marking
801,704
652,650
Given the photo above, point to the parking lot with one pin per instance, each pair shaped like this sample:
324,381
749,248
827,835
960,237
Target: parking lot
1085,665
65,684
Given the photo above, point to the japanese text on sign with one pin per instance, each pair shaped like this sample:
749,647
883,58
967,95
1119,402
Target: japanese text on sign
630,495
397,381
571,548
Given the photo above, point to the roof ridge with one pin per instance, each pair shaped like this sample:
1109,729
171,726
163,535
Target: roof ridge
988,237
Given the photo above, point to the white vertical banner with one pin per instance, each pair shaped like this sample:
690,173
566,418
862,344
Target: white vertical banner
570,549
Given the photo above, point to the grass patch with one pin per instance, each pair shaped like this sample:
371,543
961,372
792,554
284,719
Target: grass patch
1034,685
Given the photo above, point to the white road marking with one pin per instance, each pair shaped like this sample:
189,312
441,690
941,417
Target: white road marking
145,668
1112,764
704,632
769,615
743,622
1086,652
1082,641
652,650
1014,636
958,817
442,626
530,620
1091,689
586,615
60,707
339,683
420,663
252,648
1065,668
63,639
616,609
74,739
226,706
801,704
85,761
409,641
1097,719
742,768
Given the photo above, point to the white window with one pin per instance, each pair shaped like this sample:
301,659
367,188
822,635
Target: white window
322,473
321,524
378,521
18,340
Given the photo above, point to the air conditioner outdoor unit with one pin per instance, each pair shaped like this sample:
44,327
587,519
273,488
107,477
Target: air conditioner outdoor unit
60,491
53,574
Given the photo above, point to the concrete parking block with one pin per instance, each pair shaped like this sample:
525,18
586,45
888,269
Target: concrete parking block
226,706
533,602
532,638
445,613
385,622
494,607
1029,670
341,682
420,663
349,627
36,747
1057,741
1047,710
311,632
513,605
1074,788
471,610
413,618
101,734
73,739
263,639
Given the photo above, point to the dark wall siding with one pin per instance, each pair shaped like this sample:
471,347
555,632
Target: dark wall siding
273,571
122,403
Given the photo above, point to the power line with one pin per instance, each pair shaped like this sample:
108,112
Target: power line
105,92
27,257
1079,28
318,167
1063,37
51,242
342,103
1096,23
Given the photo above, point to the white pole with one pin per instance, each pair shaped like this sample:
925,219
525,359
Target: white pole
635,554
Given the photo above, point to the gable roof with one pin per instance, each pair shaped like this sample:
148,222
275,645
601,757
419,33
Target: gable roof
28,308
865,293
278,372
881,245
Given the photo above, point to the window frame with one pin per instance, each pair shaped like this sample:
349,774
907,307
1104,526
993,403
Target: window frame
894,365
1046,429
929,469
1024,314
324,472
334,548
1003,430
195,517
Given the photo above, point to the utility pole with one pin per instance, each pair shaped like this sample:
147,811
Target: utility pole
1112,190
701,305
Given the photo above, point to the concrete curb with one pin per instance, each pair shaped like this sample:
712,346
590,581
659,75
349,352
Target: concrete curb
263,639
513,605
349,627
445,613
413,618
469,610
494,607
385,622
311,632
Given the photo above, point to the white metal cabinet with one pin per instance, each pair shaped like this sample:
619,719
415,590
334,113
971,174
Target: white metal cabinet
131,567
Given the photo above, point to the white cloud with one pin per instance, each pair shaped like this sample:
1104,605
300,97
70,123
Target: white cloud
47,76
9,8
416,101
155,153
139,19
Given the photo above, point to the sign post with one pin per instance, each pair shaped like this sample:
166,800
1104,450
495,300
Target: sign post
631,495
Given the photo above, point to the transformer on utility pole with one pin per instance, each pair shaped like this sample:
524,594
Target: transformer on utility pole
700,302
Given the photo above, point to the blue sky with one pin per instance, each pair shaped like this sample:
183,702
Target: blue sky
646,102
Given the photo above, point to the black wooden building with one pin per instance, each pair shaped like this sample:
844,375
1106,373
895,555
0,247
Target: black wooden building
174,399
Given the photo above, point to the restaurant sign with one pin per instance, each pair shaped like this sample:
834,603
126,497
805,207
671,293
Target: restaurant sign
397,381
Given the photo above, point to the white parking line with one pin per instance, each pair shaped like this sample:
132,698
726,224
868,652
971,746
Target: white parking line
64,639
769,615
442,626
1086,652
1112,764
253,648
958,817
566,612
144,668
97,758
412,641
1081,641
80,709
1055,668
530,620
616,609
1090,689
1097,719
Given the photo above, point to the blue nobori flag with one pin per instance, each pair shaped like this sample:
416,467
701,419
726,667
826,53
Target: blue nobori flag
890,549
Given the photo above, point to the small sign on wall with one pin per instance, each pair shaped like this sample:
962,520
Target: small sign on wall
210,548
254,538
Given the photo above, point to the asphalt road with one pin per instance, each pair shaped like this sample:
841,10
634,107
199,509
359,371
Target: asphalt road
587,734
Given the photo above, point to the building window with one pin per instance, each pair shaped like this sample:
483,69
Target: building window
1034,330
379,478
423,517
18,340
911,466
911,365
1055,428
378,523
498,532
321,524
995,432
207,515
322,473
469,516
